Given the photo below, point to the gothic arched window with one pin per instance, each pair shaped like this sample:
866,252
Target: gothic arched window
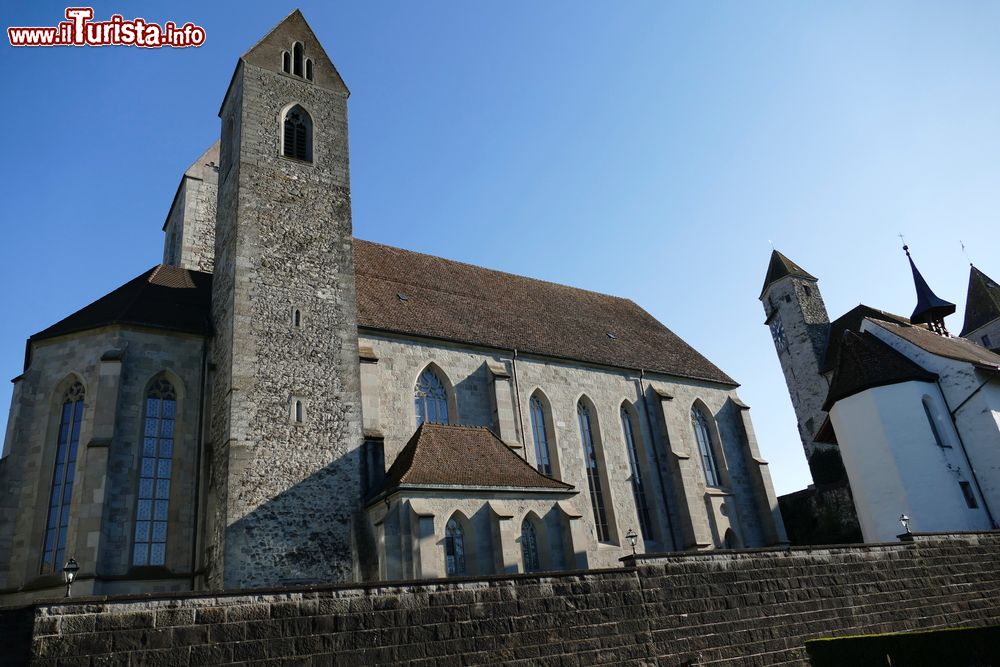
286,62
454,548
539,430
297,134
593,473
309,69
700,424
150,544
67,442
431,399
297,59
638,492
529,546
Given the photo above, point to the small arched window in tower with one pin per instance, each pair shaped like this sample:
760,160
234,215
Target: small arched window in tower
431,399
638,492
297,134
150,544
454,548
286,62
700,424
296,317
529,546
309,69
300,412
67,441
297,59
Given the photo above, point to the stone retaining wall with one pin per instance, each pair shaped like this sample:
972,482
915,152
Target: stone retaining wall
742,607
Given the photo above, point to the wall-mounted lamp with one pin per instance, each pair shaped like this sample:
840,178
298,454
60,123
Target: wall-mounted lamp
632,539
905,522
69,574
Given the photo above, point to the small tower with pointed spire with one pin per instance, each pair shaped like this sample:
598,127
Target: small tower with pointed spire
982,310
800,327
931,309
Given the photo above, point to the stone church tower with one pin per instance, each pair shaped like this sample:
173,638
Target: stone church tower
800,328
284,470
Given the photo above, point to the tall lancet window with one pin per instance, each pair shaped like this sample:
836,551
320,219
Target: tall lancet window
297,54
593,473
67,442
700,424
454,548
540,434
638,492
297,134
150,544
431,399
529,546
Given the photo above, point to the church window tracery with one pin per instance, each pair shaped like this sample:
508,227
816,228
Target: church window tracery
431,399
150,537
297,134
67,442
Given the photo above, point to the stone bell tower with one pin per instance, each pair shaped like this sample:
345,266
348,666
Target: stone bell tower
283,473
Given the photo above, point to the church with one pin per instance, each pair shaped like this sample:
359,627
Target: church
912,411
280,402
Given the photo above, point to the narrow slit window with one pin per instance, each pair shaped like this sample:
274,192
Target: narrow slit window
309,69
970,497
299,412
150,544
933,423
67,441
297,318
286,62
538,429
700,424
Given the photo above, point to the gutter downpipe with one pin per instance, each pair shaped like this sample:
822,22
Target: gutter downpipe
656,459
965,452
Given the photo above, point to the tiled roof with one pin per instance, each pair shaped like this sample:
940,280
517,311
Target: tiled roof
779,267
982,305
864,362
468,456
164,297
959,349
411,293
851,321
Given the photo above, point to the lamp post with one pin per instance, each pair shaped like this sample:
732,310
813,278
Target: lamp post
905,522
632,539
69,574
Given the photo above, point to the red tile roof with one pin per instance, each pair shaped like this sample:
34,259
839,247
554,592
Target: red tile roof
466,456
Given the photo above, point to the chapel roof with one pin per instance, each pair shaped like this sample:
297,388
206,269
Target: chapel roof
982,305
779,267
865,362
959,349
851,321
163,297
465,456
407,292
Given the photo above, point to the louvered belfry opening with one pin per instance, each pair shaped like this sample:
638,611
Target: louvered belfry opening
297,136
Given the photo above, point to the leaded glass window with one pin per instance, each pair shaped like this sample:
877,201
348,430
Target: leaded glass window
593,473
150,543
638,492
297,134
454,548
701,434
529,546
67,442
431,399
541,436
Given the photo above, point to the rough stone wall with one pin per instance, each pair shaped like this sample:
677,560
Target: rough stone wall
807,326
466,370
107,470
189,232
287,494
723,608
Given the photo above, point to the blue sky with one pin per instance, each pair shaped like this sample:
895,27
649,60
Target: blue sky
646,149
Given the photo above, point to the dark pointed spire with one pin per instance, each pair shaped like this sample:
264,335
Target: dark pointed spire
779,267
982,305
931,309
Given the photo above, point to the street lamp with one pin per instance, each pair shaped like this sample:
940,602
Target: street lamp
69,574
905,522
632,539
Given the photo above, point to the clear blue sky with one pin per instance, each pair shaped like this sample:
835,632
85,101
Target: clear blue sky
645,149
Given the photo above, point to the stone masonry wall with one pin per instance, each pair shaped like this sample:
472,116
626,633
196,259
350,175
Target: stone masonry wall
721,608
